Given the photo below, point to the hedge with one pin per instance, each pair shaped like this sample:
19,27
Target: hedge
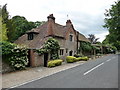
82,58
54,63
70,59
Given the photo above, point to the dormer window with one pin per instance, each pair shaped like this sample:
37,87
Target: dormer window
30,36
71,38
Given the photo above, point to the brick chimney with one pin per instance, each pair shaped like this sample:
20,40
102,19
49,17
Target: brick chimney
68,23
51,18
51,22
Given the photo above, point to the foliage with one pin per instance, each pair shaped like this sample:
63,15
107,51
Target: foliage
16,26
70,59
7,47
3,28
15,55
5,14
3,31
112,23
19,59
54,63
78,55
38,23
92,38
7,23
52,46
85,58
21,25
86,46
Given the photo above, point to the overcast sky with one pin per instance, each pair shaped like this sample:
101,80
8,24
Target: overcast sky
87,16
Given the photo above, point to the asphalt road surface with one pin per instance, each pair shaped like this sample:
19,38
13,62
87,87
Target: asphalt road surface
100,73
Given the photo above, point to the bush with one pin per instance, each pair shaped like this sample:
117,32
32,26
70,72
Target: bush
14,55
70,59
78,55
54,63
84,58
7,47
19,58
78,59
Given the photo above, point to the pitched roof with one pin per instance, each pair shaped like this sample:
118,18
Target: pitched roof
81,37
41,33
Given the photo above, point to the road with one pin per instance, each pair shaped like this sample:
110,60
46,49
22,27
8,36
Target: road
100,73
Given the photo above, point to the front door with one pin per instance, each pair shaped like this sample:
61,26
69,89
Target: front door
70,53
45,59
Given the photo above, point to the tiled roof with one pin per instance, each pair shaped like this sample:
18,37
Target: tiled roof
81,37
50,28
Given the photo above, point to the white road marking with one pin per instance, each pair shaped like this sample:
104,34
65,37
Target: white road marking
108,60
93,69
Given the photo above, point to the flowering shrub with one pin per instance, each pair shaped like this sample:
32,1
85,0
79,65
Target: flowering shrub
19,58
7,47
52,46
14,55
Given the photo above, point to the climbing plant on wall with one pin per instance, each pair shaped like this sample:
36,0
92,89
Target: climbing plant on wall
52,46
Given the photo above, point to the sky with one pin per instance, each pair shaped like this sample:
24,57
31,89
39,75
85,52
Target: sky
87,16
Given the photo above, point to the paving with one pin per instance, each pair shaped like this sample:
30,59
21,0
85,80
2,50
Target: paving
17,78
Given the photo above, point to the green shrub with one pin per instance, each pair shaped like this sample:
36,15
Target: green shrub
54,63
78,55
7,47
14,55
77,59
84,58
70,59
19,58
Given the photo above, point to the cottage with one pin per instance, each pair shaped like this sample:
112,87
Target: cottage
68,38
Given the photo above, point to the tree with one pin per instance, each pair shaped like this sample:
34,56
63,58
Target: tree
3,29
92,38
38,23
112,23
5,14
16,26
7,22
22,25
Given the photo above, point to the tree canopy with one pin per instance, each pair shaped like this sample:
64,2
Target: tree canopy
16,26
92,38
112,23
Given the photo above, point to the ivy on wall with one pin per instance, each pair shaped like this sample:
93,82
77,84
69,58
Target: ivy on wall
52,46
